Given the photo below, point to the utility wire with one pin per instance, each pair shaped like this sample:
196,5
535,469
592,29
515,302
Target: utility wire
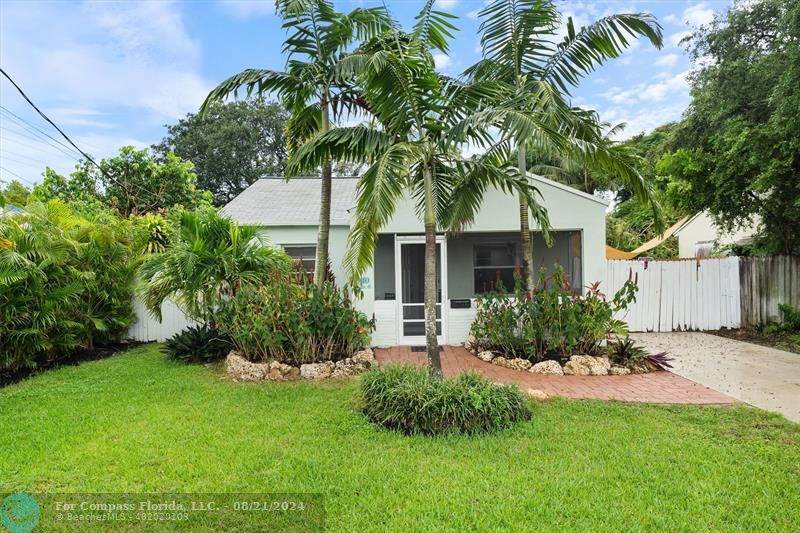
70,141
32,127
26,180
38,141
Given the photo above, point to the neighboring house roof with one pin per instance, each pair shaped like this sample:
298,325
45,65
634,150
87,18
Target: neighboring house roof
273,201
10,208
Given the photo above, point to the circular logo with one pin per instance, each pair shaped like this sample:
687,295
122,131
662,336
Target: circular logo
20,512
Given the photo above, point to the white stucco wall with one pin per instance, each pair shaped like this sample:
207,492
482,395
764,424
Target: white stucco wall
287,235
702,229
500,212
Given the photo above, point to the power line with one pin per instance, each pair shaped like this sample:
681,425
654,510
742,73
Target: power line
70,141
31,127
26,180
38,142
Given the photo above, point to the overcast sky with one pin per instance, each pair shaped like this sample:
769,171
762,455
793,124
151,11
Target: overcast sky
114,73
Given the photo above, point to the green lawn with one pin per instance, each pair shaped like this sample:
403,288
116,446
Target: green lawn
139,423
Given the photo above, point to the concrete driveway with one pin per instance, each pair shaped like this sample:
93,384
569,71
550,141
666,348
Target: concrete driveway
761,376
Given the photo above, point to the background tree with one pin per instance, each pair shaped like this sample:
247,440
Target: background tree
231,146
518,38
131,182
631,223
741,134
310,88
15,193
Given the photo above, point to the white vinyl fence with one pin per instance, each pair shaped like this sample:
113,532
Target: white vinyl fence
146,328
678,295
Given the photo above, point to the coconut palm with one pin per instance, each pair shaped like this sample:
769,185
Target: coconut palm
521,48
421,119
309,88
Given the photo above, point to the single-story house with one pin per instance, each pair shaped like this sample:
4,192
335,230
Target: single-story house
470,262
698,236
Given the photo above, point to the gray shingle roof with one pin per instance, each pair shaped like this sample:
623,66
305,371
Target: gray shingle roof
276,202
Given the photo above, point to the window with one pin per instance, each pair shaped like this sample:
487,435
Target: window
305,256
494,263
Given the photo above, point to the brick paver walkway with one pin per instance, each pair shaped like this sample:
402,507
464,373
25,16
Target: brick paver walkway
656,387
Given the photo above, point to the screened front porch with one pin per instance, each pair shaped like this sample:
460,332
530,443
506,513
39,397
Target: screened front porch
467,266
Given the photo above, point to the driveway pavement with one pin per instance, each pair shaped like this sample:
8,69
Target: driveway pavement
758,375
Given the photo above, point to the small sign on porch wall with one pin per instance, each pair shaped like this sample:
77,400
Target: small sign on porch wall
365,282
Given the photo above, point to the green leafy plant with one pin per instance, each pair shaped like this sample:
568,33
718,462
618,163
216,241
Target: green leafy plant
293,322
789,323
197,344
65,283
626,351
208,258
409,399
552,321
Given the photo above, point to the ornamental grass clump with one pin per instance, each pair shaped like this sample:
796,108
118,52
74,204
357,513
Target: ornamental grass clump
409,399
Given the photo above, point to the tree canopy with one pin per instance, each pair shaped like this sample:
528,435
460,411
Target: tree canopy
231,146
737,153
130,183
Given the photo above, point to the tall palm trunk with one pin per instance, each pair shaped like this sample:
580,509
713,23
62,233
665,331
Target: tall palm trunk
321,264
524,226
431,342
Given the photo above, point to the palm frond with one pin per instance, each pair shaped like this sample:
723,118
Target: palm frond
378,192
581,52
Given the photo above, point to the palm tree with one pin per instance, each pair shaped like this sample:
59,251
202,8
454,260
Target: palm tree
578,169
309,88
421,119
518,40
207,260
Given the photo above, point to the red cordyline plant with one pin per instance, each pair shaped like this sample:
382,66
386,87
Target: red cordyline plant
552,320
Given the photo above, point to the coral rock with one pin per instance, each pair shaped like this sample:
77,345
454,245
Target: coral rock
537,394
619,371
549,367
486,356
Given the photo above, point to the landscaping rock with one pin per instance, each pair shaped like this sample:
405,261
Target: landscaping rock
537,394
587,365
549,367
499,360
317,370
518,364
470,345
574,368
243,370
365,357
486,356
619,371
642,367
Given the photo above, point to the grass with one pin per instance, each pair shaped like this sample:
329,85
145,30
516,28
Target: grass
140,423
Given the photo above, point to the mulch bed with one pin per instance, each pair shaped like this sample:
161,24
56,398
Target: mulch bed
785,342
102,352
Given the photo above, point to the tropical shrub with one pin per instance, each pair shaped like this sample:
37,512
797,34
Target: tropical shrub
293,322
790,322
65,283
410,400
625,352
552,321
206,261
197,344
